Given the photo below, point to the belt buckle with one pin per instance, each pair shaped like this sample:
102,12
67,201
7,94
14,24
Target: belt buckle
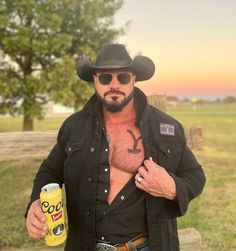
105,247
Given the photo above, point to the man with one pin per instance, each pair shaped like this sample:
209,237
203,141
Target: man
127,170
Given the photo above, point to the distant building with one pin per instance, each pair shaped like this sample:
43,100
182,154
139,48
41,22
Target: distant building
172,101
56,109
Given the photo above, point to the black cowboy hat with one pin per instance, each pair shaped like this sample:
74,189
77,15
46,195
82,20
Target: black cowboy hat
115,56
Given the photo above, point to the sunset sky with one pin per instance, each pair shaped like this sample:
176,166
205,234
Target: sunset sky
192,42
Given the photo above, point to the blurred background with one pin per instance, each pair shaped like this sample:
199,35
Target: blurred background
193,46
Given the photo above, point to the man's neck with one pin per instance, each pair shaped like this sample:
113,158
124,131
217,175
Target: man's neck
127,113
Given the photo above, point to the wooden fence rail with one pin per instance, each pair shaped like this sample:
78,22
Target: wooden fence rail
26,144
38,144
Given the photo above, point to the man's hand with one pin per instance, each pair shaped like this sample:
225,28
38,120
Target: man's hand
35,222
155,180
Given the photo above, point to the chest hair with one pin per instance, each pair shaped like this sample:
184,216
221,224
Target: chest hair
126,151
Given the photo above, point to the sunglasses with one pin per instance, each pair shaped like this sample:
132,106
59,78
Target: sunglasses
124,78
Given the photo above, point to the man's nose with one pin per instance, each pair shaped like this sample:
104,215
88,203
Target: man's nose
114,83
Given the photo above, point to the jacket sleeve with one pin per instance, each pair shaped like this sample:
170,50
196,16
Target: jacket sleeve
190,180
50,171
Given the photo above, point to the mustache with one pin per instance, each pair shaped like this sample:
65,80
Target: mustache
113,91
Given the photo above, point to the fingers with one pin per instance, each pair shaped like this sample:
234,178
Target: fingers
147,170
140,181
155,180
150,164
143,172
139,178
35,222
38,212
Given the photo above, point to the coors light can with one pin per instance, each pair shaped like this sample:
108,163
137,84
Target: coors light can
52,207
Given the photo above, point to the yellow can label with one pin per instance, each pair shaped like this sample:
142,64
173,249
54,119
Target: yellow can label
52,207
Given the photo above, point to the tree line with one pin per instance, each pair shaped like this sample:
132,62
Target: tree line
41,40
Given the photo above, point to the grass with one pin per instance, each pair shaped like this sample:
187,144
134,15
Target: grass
9,124
212,214
16,183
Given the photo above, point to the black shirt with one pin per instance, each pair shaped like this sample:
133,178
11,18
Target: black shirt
125,217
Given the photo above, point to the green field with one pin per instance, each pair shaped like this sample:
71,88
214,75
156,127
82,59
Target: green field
213,214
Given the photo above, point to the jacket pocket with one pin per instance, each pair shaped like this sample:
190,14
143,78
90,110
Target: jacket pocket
171,149
74,165
73,147
170,155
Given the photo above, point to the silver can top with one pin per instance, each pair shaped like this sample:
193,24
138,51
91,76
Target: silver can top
50,187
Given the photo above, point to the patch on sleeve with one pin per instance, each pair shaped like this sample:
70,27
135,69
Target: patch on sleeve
167,129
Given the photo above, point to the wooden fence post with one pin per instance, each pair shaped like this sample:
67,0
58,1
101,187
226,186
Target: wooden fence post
194,138
190,240
159,101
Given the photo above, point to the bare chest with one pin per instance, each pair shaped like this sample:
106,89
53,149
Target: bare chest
126,150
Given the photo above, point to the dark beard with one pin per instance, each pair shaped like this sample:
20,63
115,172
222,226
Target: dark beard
113,106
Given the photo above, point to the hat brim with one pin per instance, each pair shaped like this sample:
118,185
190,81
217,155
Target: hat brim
142,66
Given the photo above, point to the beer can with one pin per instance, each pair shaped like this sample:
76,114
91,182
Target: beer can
52,207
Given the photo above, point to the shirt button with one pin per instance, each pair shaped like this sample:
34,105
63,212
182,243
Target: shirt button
90,179
69,149
106,169
92,149
105,191
106,149
104,212
122,197
102,237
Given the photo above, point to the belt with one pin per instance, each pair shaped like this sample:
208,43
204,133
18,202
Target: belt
128,246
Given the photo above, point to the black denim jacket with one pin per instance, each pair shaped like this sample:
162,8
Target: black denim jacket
74,162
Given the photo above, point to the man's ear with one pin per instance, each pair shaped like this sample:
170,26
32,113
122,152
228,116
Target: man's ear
94,78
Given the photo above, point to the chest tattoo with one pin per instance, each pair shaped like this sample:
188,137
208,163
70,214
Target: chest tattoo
134,149
126,151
